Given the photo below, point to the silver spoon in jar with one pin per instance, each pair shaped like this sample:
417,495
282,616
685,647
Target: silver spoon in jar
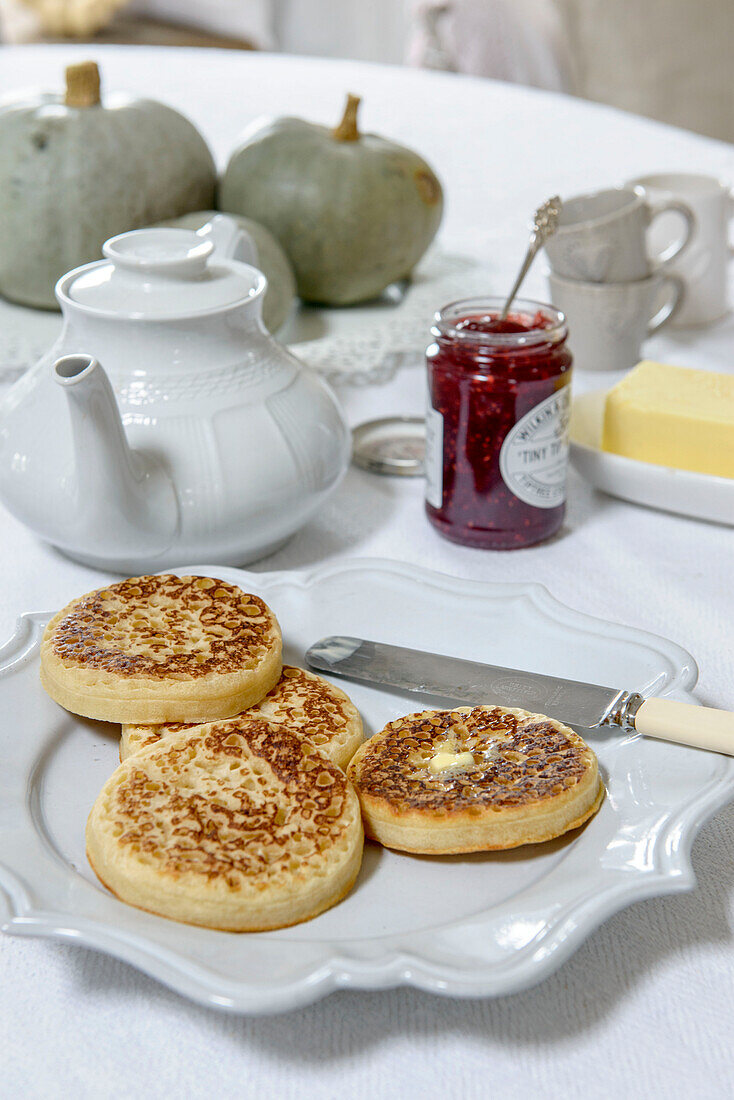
545,224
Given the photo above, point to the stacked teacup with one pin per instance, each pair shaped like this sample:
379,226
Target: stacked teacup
613,291
704,267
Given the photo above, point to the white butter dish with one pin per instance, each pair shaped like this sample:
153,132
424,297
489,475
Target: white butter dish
701,496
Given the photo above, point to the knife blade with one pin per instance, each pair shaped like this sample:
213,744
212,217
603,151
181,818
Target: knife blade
468,682
569,701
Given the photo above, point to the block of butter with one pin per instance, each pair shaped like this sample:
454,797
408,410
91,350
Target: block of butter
673,416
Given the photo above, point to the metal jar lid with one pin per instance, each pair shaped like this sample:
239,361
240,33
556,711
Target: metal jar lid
394,445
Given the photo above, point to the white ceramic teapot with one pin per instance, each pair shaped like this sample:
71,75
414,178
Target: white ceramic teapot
202,439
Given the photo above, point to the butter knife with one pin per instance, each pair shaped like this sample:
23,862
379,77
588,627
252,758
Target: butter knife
569,701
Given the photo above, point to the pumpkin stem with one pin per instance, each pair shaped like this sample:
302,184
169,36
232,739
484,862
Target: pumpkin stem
82,85
347,128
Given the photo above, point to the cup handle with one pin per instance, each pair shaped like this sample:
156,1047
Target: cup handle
671,307
675,247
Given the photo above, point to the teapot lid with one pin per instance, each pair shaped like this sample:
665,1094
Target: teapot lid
160,274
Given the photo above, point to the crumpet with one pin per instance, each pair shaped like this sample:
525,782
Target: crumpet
237,825
309,705
161,649
474,779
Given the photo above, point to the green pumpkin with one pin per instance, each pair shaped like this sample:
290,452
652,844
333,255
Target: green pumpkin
271,260
75,171
353,212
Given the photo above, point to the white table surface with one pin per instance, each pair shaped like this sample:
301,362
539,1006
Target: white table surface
645,1008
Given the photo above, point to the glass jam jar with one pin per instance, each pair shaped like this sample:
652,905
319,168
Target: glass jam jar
497,423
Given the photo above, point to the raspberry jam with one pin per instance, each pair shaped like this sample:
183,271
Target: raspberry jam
497,423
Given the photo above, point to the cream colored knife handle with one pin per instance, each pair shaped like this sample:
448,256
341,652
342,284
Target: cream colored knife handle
701,727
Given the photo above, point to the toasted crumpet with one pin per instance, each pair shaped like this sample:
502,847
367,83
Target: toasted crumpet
237,825
309,705
161,649
519,778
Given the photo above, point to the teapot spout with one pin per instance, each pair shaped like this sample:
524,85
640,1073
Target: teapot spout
126,506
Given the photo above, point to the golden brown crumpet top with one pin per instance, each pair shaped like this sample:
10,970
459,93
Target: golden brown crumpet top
237,825
303,698
309,705
518,759
185,627
233,822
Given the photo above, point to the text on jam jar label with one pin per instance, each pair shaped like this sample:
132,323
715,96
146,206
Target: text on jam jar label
534,455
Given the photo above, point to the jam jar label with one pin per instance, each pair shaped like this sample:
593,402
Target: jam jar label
434,456
534,455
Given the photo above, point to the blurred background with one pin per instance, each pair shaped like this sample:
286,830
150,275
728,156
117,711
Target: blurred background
668,59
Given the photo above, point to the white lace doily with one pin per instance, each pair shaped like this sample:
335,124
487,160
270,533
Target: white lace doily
25,334
358,345
363,345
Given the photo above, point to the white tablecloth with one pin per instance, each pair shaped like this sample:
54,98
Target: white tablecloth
645,1008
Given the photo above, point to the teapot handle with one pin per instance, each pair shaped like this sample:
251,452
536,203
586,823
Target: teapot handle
230,241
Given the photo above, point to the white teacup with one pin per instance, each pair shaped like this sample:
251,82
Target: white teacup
608,322
703,267
602,237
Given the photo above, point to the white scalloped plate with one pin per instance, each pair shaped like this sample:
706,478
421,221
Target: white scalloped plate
480,925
